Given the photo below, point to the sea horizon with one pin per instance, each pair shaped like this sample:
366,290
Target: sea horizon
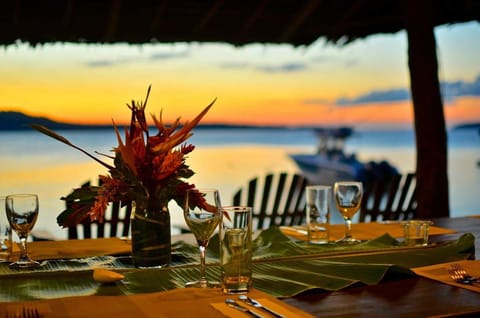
11,120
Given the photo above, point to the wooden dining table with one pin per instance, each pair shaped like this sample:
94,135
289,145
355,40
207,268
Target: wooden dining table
412,296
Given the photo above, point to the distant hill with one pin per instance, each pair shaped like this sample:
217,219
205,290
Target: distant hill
10,120
468,126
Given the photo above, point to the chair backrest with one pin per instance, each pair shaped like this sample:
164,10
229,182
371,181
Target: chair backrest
116,223
391,198
276,199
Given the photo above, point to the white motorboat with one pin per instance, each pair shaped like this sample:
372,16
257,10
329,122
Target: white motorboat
330,163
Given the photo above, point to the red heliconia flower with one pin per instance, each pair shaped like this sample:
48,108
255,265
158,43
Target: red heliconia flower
112,190
100,206
186,149
144,167
167,165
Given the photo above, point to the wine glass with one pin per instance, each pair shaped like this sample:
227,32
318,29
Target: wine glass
202,221
348,197
22,213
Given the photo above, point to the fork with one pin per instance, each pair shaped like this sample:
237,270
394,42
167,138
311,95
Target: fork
232,303
26,312
257,304
460,275
31,312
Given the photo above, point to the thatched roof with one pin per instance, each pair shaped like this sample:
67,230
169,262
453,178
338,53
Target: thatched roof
298,22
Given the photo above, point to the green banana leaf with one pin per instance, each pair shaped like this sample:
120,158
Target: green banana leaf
282,268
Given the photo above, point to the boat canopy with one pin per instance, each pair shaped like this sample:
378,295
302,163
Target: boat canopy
331,141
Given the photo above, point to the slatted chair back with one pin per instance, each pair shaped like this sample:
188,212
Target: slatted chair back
391,198
276,199
116,223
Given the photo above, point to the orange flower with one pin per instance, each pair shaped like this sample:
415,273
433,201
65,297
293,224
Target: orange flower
144,167
125,150
168,164
100,206
175,138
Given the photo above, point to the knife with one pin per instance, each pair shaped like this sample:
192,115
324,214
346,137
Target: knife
257,304
232,303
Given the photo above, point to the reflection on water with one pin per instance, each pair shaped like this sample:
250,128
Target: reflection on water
31,162
224,168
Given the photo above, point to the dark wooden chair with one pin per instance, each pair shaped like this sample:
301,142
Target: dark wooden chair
115,224
390,198
276,199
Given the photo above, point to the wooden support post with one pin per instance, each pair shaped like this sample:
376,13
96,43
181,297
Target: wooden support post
431,136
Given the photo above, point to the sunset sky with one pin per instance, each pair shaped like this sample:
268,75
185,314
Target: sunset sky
365,84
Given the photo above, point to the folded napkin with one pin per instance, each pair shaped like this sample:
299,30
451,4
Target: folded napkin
44,250
182,302
361,231
439,272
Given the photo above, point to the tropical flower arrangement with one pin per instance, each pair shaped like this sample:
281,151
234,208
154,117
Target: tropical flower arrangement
145,167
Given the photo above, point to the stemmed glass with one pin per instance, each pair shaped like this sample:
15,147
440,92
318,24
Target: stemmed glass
5,234
22,213
203,222
348,197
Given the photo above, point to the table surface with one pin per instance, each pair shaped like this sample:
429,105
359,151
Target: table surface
411,297
414,297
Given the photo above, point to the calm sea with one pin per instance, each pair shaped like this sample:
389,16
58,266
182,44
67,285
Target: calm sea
223,158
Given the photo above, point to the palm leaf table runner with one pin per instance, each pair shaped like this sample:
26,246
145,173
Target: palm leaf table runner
282,268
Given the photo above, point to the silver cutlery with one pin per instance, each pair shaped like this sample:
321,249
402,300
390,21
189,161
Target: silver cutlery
31,312
232,303
460,275
257,304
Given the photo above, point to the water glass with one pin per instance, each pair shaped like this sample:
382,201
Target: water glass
236,249
5,234
318,213
415,232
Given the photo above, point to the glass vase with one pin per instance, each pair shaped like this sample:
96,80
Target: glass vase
151,239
